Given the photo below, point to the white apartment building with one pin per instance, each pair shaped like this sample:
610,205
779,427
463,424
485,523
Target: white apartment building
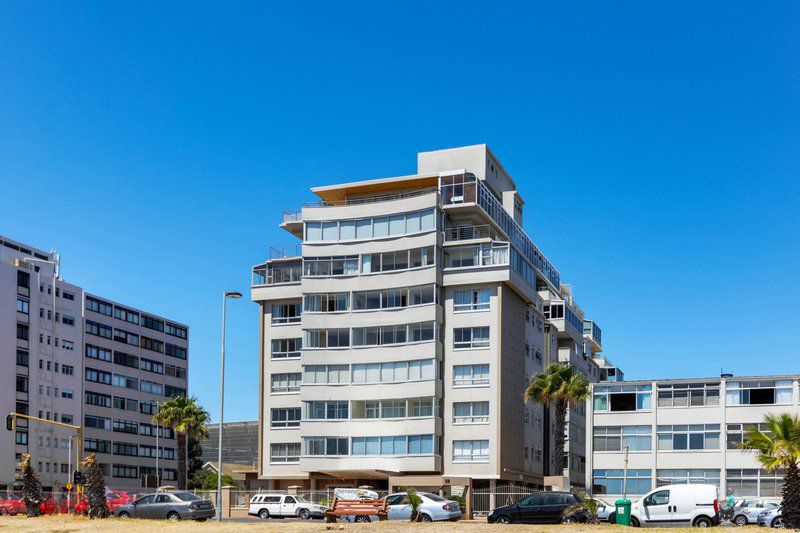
99,365
398,338
683,431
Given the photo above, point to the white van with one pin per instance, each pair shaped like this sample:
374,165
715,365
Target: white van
266,505
678,506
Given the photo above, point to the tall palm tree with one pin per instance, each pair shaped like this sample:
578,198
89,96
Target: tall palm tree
561,386
188,419
778,448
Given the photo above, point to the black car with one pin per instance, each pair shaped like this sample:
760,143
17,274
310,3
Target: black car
541,508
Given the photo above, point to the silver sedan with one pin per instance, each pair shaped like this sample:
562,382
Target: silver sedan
432,509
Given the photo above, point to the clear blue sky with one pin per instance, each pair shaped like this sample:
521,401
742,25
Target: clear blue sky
657,146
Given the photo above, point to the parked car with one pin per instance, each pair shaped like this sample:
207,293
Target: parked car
677,505
169,505
770,518
114,499
11,504
540,508
282,505
53,505
605,511
746,511
432,509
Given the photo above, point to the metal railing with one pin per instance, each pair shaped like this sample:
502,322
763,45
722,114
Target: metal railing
465,233
292,215
285,250
359,200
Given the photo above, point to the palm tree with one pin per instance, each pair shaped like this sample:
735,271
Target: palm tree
778,448
188,419
561,386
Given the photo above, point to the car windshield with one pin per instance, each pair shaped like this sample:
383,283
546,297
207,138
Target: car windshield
434,497
187,496
300,499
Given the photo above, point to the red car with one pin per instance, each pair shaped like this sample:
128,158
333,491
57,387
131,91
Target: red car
52,505
11,504
113,499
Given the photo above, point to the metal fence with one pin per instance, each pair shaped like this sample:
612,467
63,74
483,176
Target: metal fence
484,500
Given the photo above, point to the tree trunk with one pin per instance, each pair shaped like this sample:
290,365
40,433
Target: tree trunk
181,460
791,497
558,438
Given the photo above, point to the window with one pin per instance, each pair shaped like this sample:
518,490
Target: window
346,265
94,328
126,314
471,300
121,335
471,412
68,295
128,382
148,408
321,410
97,446
286,313
365,228
151,344
398,260
326,374
175,351
126,448
23,279
98,399
99,306
67,394
152,323
736,433
22,384
151,366
23,306
175,330
397,372
623,398
765,392
471,337
95,352
470,451
68,370
394,298
68,320
171,392
21,437
285,383
285,417
616,438
286,348
124,471
326,338
754,482
284,452
612,481
126,404
686,394
98,376
22,357
175,371
683,477
326,302
131,361
688,437
125,426
68,345
470,375
23,332
321,446
97,422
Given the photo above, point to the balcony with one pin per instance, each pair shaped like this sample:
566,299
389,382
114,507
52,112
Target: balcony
292,215
477,255
361,200
470,233
278,273
285,251
593,334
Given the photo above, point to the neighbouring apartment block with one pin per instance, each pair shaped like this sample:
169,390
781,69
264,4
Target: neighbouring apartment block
684,431
398,337
85,360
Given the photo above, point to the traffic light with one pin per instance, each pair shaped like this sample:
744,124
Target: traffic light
9,422
77,477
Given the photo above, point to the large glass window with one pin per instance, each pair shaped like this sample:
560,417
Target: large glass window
394,372
684,476
326,374
321,446
616,438
470,451
754,482
736,433
398,260
470,375
285,417
326,302
345,265
286,313
764,392
326,338
688,394
286,348
322,410
471,300
365,228
471,412
612,482
471,337
394,298
688,437
623,398
284,452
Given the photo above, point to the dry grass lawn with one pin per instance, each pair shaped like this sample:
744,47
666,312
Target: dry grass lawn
69,524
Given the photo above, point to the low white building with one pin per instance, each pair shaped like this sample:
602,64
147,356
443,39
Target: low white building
683,431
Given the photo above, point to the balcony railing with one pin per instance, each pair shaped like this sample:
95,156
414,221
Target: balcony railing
478,255
293,215
466,233
593,330
359,200
284,251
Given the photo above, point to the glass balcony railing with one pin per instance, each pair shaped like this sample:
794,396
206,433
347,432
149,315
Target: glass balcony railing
293,215
593,330
285,251
466,233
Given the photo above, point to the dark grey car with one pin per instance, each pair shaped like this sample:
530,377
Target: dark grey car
169,505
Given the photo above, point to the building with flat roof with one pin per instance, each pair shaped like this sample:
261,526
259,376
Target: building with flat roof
683,431
84,360
398,336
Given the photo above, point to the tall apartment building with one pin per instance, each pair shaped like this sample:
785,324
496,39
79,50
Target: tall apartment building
100,365
684,431
398,339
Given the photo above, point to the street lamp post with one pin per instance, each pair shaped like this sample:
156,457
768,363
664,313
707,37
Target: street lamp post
225,295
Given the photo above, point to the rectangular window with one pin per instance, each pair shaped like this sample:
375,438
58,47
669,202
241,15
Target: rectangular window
99,306
22,357
21,437
616,438
322,410
22,384
471,337
622,398
151,344
286,348
326,302
326,338
126,448
175,330
151,387
94,328
612,482
172,392
131,361
326,374
471,412
286,313
764,392
23,279
286,383
97,376
471,300
470,375
126,426
688,437
68,370
174,351
121,335
95,352
322,446
755,482
470,451
97,422
688,394
128,382
151,366
687,476
124,471
284,452
152,323
97,399
68,295
345,265
285,417
23,306
23,332
97,446
125,314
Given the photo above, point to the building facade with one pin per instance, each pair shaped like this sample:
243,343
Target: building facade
398,337
100,365
684,431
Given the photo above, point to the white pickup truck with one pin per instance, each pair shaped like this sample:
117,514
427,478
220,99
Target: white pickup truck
267,505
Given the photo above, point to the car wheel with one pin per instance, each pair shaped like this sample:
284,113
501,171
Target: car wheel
502,520
263,514
778,522
123,514
568,520
740,520
362,519
702,521
612,518
635,521
305,514
173,516
425,518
